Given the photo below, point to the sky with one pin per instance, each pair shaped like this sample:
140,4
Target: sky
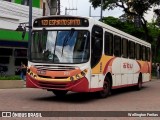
83,9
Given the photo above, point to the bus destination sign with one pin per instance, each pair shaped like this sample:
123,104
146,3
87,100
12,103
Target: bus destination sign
61,22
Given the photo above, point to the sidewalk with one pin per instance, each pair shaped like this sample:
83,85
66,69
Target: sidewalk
7,84
155,78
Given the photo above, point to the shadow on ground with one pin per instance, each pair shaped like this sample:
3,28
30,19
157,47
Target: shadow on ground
86,97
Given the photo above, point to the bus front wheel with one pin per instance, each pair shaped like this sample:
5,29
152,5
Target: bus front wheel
60,93
106,89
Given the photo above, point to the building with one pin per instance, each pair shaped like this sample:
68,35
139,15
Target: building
13,49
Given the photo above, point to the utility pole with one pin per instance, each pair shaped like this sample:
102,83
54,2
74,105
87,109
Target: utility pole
30,26
66,9
58,9
101,10
53,7
90,13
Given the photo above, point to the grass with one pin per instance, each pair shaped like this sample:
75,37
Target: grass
14,77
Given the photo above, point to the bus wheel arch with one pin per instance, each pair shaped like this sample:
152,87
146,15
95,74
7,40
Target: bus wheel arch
110,78
107,85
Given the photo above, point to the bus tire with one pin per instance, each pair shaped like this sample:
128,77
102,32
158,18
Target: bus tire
60,93
106,89
139,84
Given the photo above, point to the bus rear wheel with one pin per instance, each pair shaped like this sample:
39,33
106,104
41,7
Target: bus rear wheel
139,84
60,93
106,89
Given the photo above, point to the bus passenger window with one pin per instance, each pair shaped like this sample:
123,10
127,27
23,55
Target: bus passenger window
117,46
138,51
147,54
131,50
124,48
108,44
143,53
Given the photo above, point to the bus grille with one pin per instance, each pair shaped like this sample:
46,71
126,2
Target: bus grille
49,85
52,77
54,68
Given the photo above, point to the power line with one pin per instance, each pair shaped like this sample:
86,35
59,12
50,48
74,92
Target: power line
70,9
66,9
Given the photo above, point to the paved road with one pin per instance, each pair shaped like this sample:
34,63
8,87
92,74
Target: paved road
26,99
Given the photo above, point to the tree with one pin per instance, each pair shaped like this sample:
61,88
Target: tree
157,12
157,22
131,8
129,27
126,26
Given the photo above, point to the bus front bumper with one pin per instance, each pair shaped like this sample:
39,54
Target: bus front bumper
80,85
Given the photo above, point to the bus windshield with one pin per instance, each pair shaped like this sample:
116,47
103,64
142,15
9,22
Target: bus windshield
70,46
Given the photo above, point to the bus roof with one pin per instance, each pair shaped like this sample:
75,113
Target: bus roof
108,28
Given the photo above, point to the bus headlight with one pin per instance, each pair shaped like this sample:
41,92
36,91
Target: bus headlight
31,74
35,76
83,73
28,70
77,76
71,78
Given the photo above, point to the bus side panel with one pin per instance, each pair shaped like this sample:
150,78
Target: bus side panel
136,72
125,69
116,71
145,70
99,71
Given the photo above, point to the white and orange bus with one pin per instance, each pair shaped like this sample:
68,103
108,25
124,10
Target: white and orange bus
81,54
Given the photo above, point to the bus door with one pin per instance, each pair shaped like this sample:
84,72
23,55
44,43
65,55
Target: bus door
96,54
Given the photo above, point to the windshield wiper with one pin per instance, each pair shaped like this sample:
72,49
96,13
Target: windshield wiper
67,38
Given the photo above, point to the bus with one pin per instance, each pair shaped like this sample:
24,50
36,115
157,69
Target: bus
81,54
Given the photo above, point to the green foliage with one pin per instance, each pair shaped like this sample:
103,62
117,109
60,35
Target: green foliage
157,13
129,27
154,31
135,8
15,77
140,6
125,26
